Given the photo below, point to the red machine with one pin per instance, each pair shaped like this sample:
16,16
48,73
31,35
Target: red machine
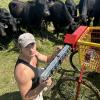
73,38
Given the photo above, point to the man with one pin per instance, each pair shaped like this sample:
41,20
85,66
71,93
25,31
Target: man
26,70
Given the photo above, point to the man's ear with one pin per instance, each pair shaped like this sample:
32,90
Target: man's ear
19,47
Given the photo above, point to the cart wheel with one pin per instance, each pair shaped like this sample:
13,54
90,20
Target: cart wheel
72,60
68,87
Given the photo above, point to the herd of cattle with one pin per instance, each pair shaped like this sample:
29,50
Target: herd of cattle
36,14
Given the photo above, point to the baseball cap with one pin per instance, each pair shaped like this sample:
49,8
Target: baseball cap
25,39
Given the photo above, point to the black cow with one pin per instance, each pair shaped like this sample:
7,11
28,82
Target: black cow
61,18
30,13
7,19
86,10
96,13
8,27
2,29
72,7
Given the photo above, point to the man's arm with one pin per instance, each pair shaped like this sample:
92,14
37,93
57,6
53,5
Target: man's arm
35,92
48,58
24,80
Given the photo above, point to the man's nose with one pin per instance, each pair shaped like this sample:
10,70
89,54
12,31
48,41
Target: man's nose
32,49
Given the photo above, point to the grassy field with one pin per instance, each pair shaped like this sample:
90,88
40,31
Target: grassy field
8,86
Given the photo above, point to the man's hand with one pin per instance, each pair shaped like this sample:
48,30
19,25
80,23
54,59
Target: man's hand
46,83
49,82
59,47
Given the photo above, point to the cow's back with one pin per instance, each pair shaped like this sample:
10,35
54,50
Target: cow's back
96,11
60,14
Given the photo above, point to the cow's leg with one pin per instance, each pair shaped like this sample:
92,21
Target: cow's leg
43,30
2,32
90,19
57,29
44,34
96,21
57,33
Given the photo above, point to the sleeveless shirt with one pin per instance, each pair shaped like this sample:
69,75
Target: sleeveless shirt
35,81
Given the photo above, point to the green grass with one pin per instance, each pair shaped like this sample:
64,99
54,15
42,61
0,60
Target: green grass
7,81
8,86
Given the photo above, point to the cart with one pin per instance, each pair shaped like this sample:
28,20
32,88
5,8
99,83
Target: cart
76,84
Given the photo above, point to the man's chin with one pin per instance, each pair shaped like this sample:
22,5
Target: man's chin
33,55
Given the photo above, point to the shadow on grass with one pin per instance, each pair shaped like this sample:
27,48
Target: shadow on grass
16,96
94,78
11,96
53,38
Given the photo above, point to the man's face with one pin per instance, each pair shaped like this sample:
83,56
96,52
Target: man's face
29,50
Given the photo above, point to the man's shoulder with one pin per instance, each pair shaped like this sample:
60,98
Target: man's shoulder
23,70
20,69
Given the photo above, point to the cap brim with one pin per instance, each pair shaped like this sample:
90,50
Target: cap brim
29,42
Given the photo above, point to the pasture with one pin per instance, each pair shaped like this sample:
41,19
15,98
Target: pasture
8,86
8,57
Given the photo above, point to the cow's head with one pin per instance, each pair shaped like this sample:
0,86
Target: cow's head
7,20
16,8
44,6
72,27
2,29
13,24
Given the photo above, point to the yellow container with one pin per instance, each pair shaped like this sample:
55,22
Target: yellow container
89,49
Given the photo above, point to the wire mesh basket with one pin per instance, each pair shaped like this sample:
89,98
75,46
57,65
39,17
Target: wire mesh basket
89,49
